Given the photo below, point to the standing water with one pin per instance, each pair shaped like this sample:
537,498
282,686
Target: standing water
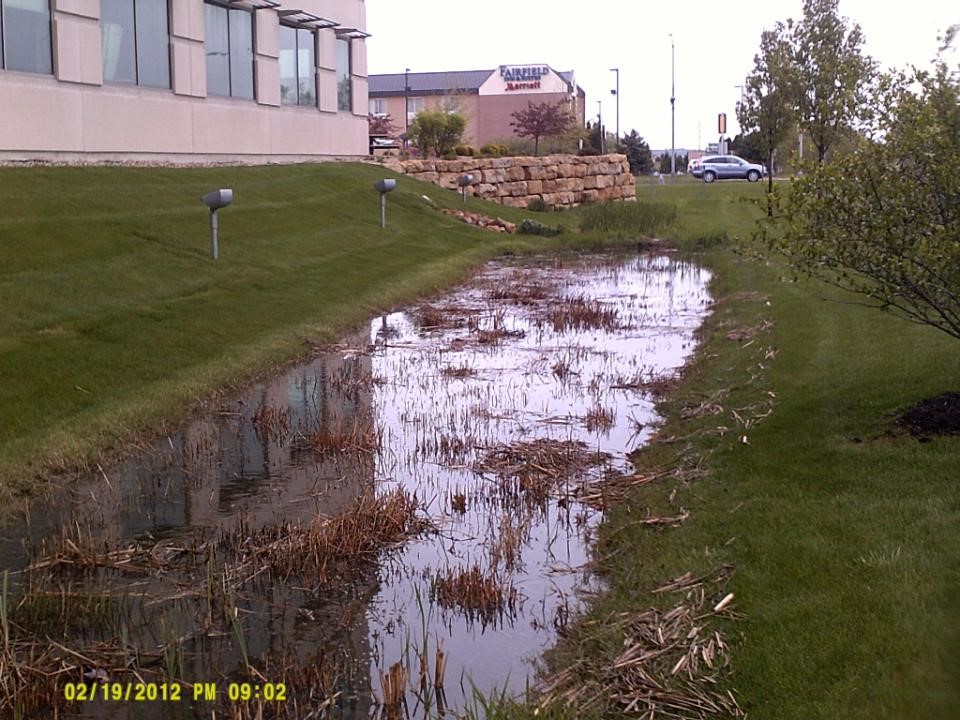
384,531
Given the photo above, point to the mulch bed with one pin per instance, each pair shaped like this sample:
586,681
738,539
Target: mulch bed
938,415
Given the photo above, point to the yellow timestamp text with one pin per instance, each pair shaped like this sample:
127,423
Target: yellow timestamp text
173,692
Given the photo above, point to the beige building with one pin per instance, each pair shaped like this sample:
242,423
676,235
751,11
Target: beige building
182,80
486,98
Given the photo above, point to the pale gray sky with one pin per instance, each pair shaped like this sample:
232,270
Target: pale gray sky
715,44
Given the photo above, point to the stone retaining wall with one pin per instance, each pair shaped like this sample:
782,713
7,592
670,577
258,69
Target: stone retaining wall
560,181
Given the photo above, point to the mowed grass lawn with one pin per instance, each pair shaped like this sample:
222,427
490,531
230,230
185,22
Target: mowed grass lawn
844,534
114,317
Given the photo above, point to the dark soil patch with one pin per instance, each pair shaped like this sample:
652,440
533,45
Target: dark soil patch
938,415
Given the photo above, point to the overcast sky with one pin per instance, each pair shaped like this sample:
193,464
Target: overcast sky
714,52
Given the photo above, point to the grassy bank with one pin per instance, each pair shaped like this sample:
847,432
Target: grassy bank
780,442
115,318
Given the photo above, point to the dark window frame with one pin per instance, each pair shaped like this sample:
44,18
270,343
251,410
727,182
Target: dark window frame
230,57
296,62
136,52
3,44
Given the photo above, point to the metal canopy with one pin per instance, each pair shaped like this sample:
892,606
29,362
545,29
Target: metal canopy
256,4
351,34
303,19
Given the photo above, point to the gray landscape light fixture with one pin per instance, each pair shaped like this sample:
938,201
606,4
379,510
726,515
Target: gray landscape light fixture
216,200
465,181
383,187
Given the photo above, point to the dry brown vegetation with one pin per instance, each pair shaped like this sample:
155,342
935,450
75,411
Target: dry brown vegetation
581,313
482,595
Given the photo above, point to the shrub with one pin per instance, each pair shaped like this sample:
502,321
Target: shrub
450,155
532,227
464,150
584,151
437,131
537,205
635,217
490,150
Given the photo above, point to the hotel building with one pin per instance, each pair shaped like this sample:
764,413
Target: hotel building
486,98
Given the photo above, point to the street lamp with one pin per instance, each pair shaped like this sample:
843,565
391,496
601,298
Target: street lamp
673,110
600,123
406,105
616,92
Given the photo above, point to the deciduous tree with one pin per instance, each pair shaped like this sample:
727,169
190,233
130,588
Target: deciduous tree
767,110
883,220
541,120
437,131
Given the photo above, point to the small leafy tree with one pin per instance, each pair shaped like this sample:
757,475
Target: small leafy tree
766,108
829,73
381,125
541,120
883,221
437,131
638,154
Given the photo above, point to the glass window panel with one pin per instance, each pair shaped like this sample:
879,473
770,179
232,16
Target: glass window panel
153,43
217,44
306,67
241,53
117,44
344,81
288,65
26,36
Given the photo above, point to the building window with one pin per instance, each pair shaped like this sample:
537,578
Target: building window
344,76
451,104
298,76
229,49
135,42
378,106
25,42
414,105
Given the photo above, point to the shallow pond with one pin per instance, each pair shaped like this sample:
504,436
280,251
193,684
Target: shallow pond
402,521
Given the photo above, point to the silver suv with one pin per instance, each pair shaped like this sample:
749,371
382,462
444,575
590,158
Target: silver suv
726,167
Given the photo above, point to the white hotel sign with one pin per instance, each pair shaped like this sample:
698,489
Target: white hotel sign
523,79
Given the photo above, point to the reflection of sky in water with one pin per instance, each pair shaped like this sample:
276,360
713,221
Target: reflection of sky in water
512,394
220,468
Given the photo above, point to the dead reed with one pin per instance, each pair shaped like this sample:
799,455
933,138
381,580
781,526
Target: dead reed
271,423
581,313
670,664
599,418
373,523
393,685
483,596
359,435
533,470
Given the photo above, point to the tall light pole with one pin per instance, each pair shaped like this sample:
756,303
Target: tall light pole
616,92
673,109
406,105
600,122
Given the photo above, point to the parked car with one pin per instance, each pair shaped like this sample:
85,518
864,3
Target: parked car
726,167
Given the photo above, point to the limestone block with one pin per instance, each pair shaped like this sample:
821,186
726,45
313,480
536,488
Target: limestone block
565,170
430,177
605,181
534,187
550,185
516,173
579,171
590,196
565,198
551,172
517,202
449,180
486,189
590,182
501,162
494,175
550,199
536,172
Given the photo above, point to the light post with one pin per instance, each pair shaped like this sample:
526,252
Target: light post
406,105
600,123
673,109
616,92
